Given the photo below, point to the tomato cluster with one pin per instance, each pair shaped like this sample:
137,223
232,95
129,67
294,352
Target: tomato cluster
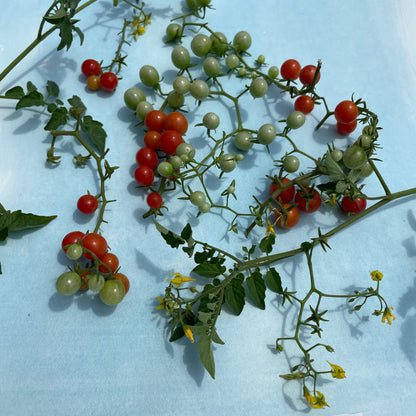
96,78
95,268
164,151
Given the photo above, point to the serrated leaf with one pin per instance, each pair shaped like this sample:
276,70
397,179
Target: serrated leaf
52,88
186,233
235,294
65,33
15,92
95,131
76,102
210,270
257,289
33,98
273,281
206,354
266,244
335,171
30,86
59,117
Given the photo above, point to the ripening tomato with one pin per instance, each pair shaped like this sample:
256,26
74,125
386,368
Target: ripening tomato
346,128
307,73
155,120
353,206
176,121
95,243
123,279
144,175
154,200
87,204
151,139
304,104
284,196
308,201
110,263
71,238
346,112
147,157
290,69
287,219
90,67
169,141
109,81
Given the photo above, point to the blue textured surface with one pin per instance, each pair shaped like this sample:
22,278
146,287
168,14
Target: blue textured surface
62,356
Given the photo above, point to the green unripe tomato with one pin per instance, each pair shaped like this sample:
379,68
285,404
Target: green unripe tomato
211,121
143,108
112,292
205,207
258,87
96,282
219,43
165,169
173,31
212,66
273,72
185,149
197,198
232,61
201,44
266,134
180,57
261,59
176,161
192,4
181,84
68,283
134,96
366,170
365,141
242,41
203,3
199,89
243,140
291,164
295,120
149,75
74,251
354,157
337,155
227,162
242,72
175,100
239,157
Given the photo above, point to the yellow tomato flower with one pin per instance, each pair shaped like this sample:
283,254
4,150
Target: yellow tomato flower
376,275
269,228
387,315
319,401
188,333
161,303
179,279
337,371
308,396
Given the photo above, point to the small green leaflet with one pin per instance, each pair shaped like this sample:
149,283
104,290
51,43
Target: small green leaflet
257,289
95,131
209,269
273,280
206,354
235,294
335,171
174,240
266,244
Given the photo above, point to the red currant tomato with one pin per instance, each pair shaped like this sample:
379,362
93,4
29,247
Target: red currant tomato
71,238
346,112
90,67
290,69
288,219
176,121
286,195
96,243
353,206
307,73
308,201
144,175
109,81
123,279
147,157
155,120
110,263
346,128
87,204
151,139
304,104
169,141
154,200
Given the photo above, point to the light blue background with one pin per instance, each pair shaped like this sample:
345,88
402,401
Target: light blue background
62,356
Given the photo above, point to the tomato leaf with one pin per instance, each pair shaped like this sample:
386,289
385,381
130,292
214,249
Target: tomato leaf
32,98
335,171
273,280
52,88
76,102
59,117
209,269
257,289
15,92
266,244
235,294
95,131
174,240
206,354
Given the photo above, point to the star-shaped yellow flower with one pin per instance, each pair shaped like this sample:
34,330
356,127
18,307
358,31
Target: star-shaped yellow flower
376,275
179,279
337,371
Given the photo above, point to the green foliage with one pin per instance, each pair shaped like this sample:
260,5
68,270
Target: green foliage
257,288
235,294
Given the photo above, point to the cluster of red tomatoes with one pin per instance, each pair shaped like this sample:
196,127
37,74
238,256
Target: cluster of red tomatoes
163,152
291,202
97,79
292,70
100,271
